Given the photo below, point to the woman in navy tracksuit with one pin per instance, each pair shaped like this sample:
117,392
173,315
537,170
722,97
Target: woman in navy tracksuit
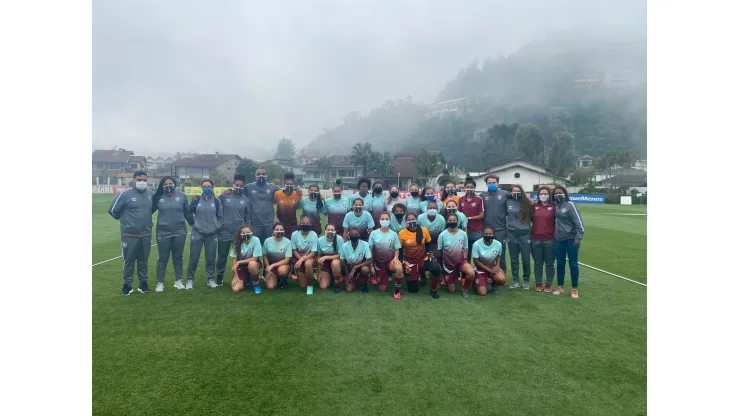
568,236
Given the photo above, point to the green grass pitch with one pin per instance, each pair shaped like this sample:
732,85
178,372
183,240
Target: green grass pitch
211,352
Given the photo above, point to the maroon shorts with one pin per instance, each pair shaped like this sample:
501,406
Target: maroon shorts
242,272
301,269
452,274
413,269
326,266
481,278
382,271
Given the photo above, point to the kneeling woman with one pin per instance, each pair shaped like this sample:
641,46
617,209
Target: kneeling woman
487,260
331,266
305,243
360,219
453,244
277,254
246,251
417,255
356,260
384,246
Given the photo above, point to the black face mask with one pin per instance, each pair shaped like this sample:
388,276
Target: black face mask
354,238
394,194
338,196
452,210
399,217
414,194
487,238
471,192
452,225
378,190
358,209
306,227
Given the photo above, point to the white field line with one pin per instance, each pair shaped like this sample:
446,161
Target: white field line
121,256
610,273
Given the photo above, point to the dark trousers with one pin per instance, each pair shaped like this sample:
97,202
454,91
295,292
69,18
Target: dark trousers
543,252
174,245
197,241
500,236
563,248
519,245
135,253
473,236
223,254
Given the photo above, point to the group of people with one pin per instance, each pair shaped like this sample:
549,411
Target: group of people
369,238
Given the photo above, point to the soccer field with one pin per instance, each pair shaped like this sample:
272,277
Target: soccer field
211,352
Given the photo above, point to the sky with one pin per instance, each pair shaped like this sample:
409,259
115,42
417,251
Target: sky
235,76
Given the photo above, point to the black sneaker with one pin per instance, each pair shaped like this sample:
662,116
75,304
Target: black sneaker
126,290
495,289
423,282
143,288
363,288
220,280
435,294
337,289
283,284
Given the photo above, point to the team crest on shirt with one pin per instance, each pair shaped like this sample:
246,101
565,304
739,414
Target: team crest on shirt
460,241
473,204
281,202
177,198
499,197
150,197
495,253
549,208
564,210
241,202
213,205
536,207
124,244
282,250
254,191
408,241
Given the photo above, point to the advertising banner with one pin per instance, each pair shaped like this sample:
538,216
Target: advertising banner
108,189
407,194
197,190
580,198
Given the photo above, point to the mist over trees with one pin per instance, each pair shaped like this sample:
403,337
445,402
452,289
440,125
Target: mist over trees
576,92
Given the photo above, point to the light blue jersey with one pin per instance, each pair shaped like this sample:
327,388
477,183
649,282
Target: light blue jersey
486,254
364,222
326,248
368,201
434,226
353,256
248,250
384,245
304,245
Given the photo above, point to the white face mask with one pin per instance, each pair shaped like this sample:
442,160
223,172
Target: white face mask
141,186
544,198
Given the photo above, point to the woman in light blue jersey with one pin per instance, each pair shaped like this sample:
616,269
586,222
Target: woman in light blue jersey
312,206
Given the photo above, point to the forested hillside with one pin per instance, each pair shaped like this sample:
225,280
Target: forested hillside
581,91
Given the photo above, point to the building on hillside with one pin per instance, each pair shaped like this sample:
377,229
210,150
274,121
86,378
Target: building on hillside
200,166
136,163
455,107
519,172
404,173
626,178
290,165
585,161
341,168
108,164
306,157
640,164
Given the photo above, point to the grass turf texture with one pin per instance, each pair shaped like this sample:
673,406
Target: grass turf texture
209,351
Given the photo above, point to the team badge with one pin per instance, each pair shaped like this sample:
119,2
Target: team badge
192,237
241,202
150,197
564,210
159,238
499,197
495,253
124,244
213,205
549,208
177,198
281,202
473,204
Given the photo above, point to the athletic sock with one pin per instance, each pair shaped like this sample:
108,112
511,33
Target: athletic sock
465,284
435,283
399,285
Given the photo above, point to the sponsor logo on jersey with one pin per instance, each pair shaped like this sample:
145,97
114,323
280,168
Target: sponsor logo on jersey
564,210
228,200
177,198
133,199
549,208
161,200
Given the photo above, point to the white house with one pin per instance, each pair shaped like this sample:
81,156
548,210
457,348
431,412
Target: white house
518,172
200,166
585,161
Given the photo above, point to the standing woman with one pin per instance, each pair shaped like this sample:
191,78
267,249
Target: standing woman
453,244
363,186
356,260
398,219
246,251
417,249
278,252
287,201
487,261
377,204
236,212
413,202
568,236
434,222
313,206
428,197
336,208
449,193
208,218
384,246
305,244
543,234
518,233
328,252
471,205
394,198
171,231
360,219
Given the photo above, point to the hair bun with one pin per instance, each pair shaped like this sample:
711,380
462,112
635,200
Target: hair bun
289,175
468,178
338,182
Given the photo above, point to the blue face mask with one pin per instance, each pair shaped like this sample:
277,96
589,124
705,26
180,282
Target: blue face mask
430,198
492,187
207,191
385,223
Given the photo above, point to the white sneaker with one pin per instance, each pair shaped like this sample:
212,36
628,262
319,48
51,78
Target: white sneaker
526,285
179,285
211,283
189,286
514,285
160,287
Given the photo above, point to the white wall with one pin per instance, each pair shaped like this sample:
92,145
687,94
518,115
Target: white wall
527,178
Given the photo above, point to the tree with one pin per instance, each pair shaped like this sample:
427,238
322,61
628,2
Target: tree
248,167
285,149
529,143
325,164
382,163
178,156
614,164
561,156
427,164
362,155
218,178
443,179
583,176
